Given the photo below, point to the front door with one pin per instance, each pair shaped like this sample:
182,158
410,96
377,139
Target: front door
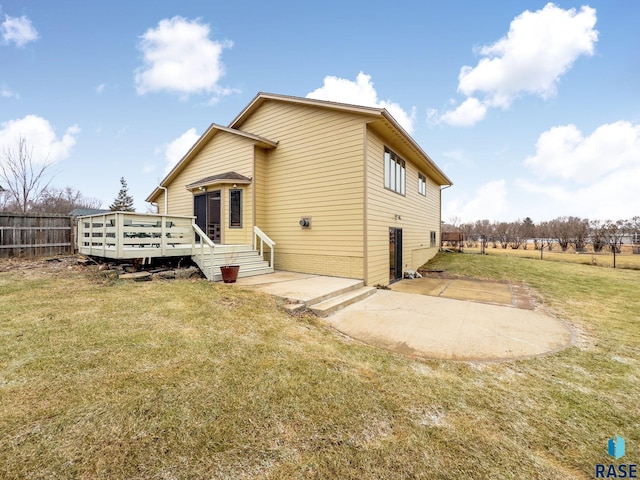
395,254
206,209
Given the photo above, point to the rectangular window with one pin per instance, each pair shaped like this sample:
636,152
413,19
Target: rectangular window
387,169
235,208
433,239
395,175
422,184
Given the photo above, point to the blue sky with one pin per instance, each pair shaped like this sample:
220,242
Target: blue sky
531,108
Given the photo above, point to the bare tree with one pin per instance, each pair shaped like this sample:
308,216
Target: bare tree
63,200
24,181
545,235
501,233
579,232
596,235
614,233
561,231
514,234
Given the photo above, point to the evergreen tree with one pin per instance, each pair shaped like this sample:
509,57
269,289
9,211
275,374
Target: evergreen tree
124,201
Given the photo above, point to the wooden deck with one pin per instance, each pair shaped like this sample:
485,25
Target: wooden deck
123,235
126,235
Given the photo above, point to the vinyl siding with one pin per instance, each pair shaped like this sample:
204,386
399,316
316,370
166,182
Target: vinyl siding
316,171
259,182
224,153
419,214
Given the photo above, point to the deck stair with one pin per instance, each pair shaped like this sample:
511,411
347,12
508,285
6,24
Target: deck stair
250,261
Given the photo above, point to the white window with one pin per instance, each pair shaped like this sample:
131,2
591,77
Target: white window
394,172
422,184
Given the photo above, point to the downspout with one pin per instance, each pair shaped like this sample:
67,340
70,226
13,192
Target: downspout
166,199
440,226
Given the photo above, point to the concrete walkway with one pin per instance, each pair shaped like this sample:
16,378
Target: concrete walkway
422,325
302,288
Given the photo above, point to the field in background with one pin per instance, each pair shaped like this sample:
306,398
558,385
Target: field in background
626,259
188,379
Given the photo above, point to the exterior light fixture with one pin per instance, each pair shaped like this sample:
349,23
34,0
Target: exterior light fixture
305,222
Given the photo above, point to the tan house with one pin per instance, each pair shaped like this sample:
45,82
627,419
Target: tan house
342,190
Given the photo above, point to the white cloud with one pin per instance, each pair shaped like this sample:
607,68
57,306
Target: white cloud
488,202
539,48
100,88
18,30
8,93
597,176
40,137
361,92
468,113
563,152
179,57
177,149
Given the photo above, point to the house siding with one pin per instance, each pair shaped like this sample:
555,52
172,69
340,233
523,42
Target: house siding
225,152
259,182
316,171
419,214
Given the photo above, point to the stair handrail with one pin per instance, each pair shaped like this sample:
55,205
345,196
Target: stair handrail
264,238
204,239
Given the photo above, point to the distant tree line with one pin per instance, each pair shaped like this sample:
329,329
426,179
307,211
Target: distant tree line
50,200
566,232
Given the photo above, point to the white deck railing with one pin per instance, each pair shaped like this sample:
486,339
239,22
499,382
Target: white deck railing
264,239
133,235
203,250
127,235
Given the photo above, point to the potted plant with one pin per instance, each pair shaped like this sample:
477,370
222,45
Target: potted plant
229,270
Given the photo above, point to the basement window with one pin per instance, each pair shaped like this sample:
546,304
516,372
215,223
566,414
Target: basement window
394,172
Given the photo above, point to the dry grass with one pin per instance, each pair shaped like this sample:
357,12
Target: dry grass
603,259
188,379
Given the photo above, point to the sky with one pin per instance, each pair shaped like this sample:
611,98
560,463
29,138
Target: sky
531,108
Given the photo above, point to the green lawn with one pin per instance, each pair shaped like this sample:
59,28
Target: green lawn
188,379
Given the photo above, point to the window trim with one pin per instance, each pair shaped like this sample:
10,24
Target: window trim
231,191
395,172
422,184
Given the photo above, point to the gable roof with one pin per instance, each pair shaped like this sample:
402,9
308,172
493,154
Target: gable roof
386,124
199,145
380,118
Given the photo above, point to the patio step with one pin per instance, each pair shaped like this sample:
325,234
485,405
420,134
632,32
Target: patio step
338,302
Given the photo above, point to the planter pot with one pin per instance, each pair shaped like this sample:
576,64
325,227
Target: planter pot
229,273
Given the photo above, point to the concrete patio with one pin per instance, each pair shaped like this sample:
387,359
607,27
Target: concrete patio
482,321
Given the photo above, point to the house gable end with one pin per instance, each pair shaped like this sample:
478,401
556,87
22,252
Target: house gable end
200,144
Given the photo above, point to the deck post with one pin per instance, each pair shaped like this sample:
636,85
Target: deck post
119,234
163,235
90,236
104,234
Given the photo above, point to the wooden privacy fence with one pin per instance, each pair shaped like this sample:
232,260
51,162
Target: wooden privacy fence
31,235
